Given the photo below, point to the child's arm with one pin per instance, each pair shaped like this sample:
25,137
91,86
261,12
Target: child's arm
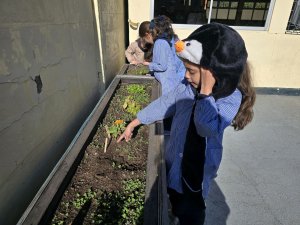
160,56
159,109
127,134
211,117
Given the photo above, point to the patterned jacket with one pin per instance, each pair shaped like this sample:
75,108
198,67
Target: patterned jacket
211,117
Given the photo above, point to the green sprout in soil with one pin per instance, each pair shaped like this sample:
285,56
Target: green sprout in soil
138,92
122,207
82,199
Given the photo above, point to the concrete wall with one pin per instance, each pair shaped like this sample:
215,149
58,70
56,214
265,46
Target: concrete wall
51,77
113,34
48,85
274,55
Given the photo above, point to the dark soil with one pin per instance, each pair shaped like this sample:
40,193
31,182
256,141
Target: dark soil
109,188
139,69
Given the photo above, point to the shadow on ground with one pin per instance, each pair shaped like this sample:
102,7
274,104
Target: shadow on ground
217,210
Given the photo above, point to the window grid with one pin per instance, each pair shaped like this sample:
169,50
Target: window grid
252,7
248,13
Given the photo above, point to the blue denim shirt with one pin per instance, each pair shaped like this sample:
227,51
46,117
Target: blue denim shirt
168,69
211,118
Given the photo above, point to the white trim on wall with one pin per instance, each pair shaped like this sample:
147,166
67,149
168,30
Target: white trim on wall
270,13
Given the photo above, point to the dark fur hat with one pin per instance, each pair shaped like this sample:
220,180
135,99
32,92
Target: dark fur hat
220,49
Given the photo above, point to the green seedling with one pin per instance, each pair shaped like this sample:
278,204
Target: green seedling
138,93
116,129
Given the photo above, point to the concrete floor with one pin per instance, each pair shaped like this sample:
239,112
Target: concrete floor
259,179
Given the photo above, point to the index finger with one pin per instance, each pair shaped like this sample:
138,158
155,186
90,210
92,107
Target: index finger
121,138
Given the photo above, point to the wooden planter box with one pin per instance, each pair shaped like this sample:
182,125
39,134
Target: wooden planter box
156,204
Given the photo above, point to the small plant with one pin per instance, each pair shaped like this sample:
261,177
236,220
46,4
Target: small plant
133,206
122,208
138,92
135,89
82,199
131,106
116,128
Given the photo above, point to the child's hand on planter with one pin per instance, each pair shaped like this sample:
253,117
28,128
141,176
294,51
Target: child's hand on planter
127,134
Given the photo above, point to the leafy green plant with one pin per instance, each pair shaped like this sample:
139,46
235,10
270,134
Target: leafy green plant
136,89
131,106
116,128
82,199
124,207
133,207
138,92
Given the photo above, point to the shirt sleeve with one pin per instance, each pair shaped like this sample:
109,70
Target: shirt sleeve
161,108
211,117
161,50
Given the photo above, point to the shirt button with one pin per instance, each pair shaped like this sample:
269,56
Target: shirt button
180,155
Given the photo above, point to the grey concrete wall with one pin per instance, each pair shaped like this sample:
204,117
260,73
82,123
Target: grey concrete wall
48,85
114,29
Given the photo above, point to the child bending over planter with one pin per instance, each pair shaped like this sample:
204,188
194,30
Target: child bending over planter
217,92
140,50
167,68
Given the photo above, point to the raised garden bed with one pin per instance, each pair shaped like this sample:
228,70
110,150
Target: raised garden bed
119,184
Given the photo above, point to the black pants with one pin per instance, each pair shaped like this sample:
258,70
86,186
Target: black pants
167,123
188,207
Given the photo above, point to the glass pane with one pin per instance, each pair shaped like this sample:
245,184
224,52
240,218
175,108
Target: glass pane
247,14
260,5
248,5
234,5
213,14
222,14
258,15
232,14
265,16
224,4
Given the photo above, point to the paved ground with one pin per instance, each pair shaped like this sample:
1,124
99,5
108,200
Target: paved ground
259,177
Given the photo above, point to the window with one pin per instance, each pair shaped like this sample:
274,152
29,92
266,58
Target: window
293,26
250,13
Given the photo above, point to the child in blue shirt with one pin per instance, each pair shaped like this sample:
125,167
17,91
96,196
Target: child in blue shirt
167,68
217,93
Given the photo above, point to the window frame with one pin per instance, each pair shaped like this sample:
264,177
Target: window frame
195,26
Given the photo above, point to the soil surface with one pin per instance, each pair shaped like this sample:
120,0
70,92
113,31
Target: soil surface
108,187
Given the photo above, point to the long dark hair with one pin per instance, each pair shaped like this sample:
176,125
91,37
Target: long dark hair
245,113
146,47
161,27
